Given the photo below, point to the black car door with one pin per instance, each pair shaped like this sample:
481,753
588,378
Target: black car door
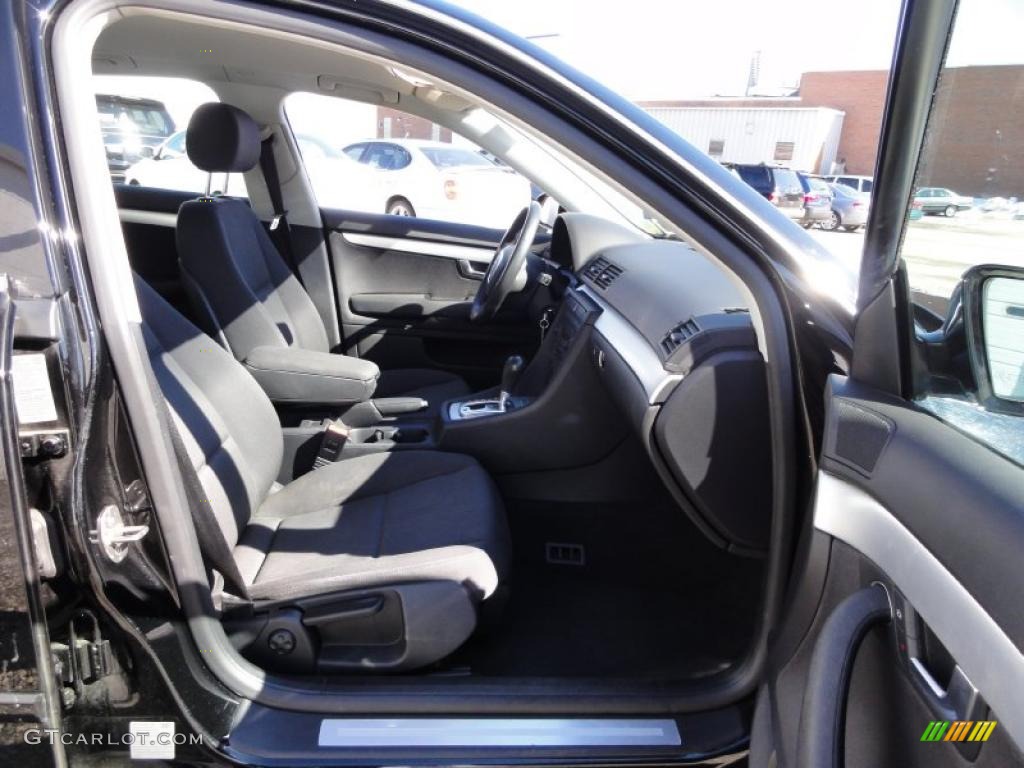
405,286
412,216
902,642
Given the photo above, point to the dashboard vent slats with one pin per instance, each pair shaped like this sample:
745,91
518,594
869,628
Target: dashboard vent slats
678,334
602,272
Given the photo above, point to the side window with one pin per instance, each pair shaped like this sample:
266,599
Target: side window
380,160
866,185
387,157
143,122
963,256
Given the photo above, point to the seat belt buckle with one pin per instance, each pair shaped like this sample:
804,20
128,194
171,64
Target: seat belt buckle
331,444
276,221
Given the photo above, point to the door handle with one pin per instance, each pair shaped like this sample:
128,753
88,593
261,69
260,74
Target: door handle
474,270
957,701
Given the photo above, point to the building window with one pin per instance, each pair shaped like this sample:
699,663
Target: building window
716,147
784,150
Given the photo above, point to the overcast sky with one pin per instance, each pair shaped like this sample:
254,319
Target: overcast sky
663,49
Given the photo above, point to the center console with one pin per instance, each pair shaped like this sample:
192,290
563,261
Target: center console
519,386
555,414
541,413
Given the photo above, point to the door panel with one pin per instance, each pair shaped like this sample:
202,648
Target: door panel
905,501
885,714
405,287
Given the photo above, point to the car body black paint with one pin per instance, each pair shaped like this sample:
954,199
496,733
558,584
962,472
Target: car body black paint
821,330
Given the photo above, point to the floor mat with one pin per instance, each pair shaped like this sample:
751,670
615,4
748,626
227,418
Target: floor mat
654,598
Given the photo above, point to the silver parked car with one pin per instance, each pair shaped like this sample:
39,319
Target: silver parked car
942,200
849,209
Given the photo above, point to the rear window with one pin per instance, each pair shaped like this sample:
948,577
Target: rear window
787,180
443,157
756,176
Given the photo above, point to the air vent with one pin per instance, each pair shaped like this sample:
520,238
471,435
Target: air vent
602,272
680,333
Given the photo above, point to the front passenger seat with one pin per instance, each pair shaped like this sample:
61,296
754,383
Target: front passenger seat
375,562
243,290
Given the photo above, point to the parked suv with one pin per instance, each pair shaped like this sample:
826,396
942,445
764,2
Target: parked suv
859,183
782,186
132,129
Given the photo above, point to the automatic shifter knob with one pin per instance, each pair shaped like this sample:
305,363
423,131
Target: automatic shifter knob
509,377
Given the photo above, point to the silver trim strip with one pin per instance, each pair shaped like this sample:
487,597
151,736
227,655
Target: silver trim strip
488,732
157,218
424,247
634,350
985,654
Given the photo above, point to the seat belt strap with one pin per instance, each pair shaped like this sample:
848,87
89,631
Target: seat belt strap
211,539
280,231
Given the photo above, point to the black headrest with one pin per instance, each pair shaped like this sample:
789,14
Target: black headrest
222,138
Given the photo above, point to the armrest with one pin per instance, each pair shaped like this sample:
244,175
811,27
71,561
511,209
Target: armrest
292,375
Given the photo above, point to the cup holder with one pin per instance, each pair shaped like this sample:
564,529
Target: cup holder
386,435
411,435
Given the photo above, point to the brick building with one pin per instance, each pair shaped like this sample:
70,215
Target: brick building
976,144
974,147
861,95
395,124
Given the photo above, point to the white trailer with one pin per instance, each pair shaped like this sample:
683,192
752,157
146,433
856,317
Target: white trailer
804,138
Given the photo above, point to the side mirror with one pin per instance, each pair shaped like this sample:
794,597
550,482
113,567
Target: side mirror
993,305
147,152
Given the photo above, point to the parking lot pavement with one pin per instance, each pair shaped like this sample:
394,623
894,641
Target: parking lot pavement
938,250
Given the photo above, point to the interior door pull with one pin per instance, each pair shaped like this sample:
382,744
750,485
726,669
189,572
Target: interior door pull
823,714
958,701
474,270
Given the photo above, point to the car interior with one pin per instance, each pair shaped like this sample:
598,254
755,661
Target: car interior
436,450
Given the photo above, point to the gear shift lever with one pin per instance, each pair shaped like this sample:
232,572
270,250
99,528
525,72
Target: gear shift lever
509,377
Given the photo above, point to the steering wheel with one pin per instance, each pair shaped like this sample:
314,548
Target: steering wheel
503,274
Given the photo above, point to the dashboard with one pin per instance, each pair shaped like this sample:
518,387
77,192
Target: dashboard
675,346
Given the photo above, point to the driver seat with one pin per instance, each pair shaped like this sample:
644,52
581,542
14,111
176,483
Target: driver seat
241,288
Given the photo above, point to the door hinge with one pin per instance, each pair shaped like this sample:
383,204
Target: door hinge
113,535
82,661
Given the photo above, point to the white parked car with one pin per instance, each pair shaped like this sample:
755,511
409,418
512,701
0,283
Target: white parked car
440,181
170,168
339,182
